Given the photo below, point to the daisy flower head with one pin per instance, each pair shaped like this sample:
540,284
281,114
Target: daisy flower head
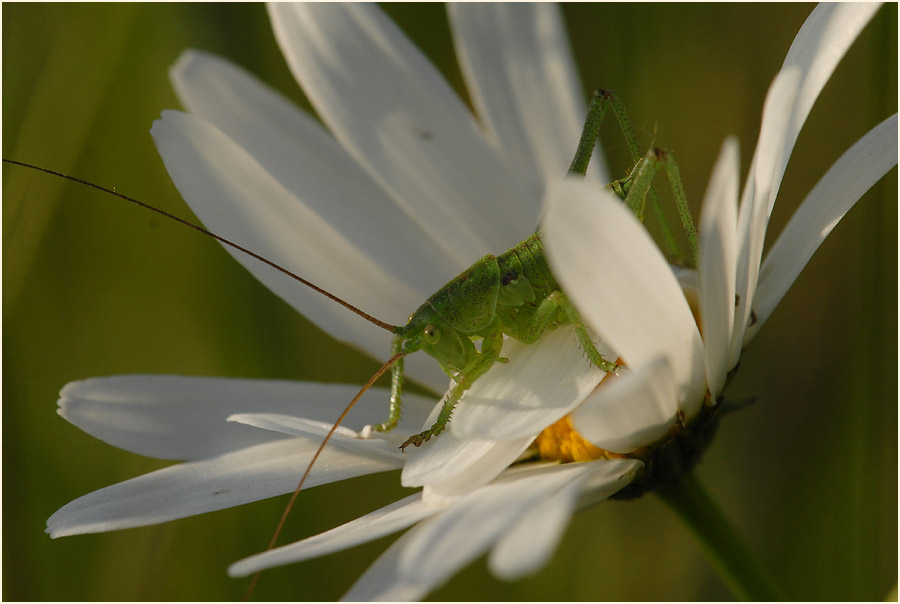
243,145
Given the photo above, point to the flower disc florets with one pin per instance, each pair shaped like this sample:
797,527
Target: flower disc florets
664,461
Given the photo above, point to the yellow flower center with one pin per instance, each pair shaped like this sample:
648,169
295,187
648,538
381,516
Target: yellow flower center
561,442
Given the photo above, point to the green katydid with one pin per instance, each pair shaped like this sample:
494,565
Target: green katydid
513,294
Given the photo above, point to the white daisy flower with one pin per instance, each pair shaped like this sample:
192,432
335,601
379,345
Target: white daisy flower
412,161
643,309
407,156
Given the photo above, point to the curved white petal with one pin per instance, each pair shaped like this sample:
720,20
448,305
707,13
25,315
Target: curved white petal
382,583
305,428
718,256
237,198
620,282
451,465
442,457
390,519
298,152
532,539
292,425
608,477
175,417
753,216
466,479
436,548
541,383
846,181
475,521
197,487
407,129
816,51
632,411
523,82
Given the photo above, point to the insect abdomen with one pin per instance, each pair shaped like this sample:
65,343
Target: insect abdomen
527,260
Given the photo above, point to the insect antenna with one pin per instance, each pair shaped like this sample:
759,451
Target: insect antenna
290,504
240,248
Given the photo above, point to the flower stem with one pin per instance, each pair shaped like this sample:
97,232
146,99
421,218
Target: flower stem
741,571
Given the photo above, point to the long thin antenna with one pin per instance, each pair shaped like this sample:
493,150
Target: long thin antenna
290,504
240,248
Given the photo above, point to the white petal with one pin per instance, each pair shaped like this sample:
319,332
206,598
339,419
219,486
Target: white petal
197,487
390,519
718,255
456,465
382,583
846,181
608,477
174,417
470,526
753,216
292,425
300,154
541,383
522,79
442,457
302,427
236,198
432,551
532,539
447,542
816,51
450,486
529,543
408,129
620,282
631,411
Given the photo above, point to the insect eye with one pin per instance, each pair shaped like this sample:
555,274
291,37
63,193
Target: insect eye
431,334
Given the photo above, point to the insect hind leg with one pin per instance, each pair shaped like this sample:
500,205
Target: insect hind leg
558,300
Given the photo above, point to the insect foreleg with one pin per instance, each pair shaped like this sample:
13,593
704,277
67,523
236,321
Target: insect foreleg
396,408
477,366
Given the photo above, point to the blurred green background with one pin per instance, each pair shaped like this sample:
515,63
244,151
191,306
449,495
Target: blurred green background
93,287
